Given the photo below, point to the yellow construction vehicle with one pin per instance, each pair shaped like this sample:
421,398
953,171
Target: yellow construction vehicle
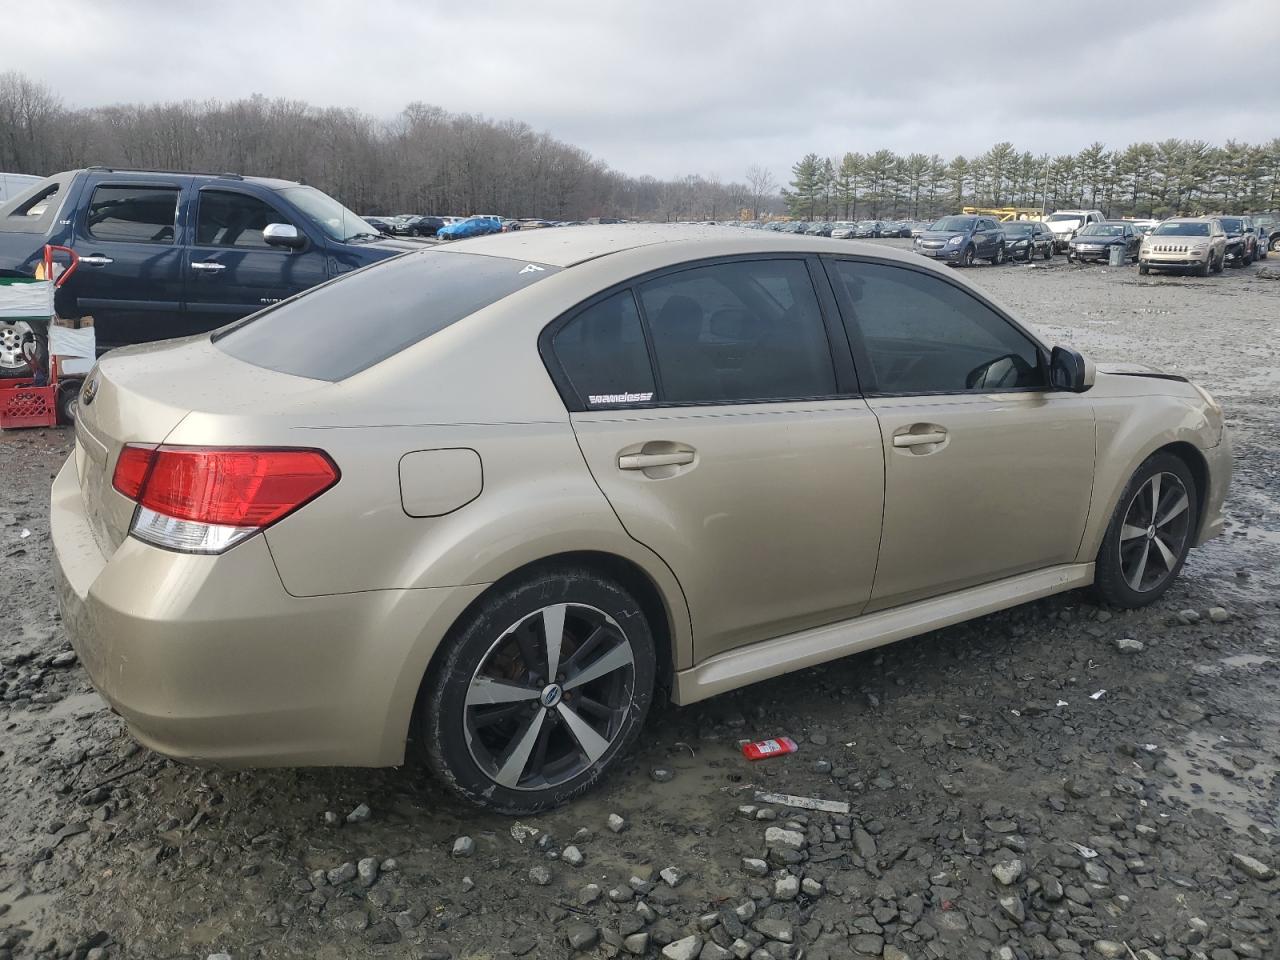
1005,214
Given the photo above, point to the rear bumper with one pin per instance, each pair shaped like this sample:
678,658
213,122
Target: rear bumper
208,659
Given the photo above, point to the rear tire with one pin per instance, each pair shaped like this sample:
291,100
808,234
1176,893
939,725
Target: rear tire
1134,568
69,400
505,718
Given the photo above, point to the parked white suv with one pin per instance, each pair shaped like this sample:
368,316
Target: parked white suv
1065,224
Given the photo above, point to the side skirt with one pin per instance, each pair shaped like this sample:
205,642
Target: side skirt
770,658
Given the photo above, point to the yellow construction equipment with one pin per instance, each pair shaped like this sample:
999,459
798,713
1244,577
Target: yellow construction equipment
1005,214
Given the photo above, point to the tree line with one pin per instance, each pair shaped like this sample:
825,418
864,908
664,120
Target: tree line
424,160
1143,179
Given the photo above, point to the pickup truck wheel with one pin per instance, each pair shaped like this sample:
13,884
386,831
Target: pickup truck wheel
12,362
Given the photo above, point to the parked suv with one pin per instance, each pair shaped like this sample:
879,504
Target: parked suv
1065,224
961,240
170,254
1242,241
1197,244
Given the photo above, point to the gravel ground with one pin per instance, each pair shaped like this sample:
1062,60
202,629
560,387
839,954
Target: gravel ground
1019,786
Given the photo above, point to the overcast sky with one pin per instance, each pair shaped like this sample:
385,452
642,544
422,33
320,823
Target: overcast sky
669,88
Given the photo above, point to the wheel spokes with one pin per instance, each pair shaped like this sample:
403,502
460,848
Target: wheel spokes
1179,507
1135,580
1155,497
512,766
616,658
1167,555
593,745
1130,532
485,690
553,631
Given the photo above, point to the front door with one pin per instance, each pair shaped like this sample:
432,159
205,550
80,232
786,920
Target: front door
130,275
231,270
988,473
740,457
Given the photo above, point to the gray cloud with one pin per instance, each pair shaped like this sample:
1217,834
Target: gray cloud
668,88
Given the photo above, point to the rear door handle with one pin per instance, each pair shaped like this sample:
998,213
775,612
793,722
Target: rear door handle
97,260
916,439
643,461
207,265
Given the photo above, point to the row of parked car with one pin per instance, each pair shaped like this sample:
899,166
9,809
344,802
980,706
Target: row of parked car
1197,244
457,228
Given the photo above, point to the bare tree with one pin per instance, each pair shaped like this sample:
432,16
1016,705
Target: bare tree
760,186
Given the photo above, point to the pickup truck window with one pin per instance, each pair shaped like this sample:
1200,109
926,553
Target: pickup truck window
133,214
35,208
228,219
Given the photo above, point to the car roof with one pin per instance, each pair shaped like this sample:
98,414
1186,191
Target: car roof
130,173
564,248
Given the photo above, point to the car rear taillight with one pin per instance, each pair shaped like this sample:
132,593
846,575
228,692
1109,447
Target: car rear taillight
208,499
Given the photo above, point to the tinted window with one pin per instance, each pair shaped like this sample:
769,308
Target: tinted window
603,353
348,325
923,335
738,331
138,214
34,209
227,219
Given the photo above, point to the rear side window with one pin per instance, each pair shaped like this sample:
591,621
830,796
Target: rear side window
740,331
603,354
345,326
34,209
135,214
920,334
229,219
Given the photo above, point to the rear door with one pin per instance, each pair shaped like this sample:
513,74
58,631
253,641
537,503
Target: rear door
130,279
730,439
988,472
231,271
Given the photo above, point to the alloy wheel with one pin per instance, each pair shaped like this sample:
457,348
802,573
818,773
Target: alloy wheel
1153,536
549,697
11,337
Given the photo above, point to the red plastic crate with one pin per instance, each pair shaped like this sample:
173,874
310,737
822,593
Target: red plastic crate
22,404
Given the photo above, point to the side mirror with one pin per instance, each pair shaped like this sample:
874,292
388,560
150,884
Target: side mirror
1069,370
283,235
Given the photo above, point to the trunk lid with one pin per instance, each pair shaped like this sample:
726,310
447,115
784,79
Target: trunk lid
140,394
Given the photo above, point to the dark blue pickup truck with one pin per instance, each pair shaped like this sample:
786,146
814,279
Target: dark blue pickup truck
170,254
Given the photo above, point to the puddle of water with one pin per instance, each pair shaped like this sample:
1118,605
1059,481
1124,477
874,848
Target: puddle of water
1242,800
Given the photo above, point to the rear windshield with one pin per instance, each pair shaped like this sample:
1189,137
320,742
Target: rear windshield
347,326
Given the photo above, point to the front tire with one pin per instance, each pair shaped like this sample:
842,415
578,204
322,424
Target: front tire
999,257
1143,269
1149,534
537,691
967,258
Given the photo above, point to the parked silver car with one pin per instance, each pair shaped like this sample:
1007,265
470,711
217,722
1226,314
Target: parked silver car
1195,244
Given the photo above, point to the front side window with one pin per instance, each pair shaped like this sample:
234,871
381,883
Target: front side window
603,354
920,334
229,219
739,331
133,214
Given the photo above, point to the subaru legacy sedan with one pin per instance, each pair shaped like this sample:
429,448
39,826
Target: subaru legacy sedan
562,473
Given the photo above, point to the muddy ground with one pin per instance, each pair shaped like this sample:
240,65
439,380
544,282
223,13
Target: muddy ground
1132,802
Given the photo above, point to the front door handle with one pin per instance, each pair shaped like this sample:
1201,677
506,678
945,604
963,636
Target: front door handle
208,266
916,439
97,260
643,461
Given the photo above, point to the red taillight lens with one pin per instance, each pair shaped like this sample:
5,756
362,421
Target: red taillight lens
131,470
226,486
